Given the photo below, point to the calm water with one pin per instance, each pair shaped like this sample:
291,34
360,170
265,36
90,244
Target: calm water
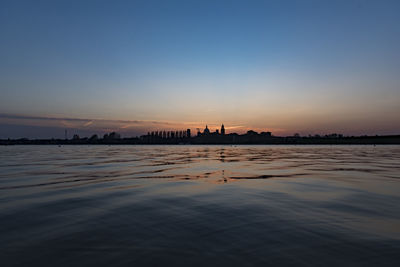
200,205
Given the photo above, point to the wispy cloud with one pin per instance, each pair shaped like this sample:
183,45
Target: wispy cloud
88,123
235,127
96,125
27,117
84,121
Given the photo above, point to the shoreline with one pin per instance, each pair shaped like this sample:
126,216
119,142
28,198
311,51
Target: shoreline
360,140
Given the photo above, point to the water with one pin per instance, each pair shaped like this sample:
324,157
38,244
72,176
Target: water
200,205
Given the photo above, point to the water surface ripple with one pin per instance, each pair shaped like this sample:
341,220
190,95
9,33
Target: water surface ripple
200,205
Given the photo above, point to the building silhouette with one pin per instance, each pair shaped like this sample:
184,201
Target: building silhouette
206,130
219,136
208,137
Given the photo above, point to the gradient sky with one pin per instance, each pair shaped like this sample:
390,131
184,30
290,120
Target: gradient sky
133,66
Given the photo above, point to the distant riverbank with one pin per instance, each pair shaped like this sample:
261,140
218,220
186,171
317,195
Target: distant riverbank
212,140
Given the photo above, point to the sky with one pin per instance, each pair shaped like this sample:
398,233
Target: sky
308,67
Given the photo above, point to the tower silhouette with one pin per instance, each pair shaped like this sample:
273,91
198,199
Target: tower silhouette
222,129
206,130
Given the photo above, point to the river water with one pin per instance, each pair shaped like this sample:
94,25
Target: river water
200,205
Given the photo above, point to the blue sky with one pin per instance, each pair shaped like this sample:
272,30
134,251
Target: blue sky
289,66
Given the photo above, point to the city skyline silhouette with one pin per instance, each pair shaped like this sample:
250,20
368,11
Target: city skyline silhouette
205,136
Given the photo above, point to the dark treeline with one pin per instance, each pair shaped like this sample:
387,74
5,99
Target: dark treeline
207,137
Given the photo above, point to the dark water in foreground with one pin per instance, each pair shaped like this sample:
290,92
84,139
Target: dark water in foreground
200,205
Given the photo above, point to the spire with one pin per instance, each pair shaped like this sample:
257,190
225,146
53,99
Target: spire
222,129
206,130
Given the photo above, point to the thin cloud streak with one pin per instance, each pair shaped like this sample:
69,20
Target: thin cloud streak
43,118
88,123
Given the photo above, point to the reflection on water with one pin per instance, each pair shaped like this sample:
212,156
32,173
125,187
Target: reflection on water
200,205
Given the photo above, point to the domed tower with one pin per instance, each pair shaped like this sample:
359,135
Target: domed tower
222,129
